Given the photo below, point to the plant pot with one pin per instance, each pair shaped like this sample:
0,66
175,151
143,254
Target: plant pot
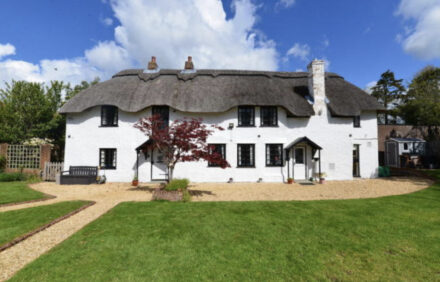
134,182
289,181
321,180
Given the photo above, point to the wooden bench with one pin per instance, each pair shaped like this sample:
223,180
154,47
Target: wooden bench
79,175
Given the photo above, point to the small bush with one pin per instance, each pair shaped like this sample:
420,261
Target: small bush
9,177
2,163
186,197
32,178
176,184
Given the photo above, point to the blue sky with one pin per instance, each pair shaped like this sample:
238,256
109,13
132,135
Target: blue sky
76,40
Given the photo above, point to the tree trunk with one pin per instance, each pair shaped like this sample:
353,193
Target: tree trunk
170,173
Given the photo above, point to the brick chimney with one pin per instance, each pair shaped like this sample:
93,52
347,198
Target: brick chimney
317,85
189,64
152,65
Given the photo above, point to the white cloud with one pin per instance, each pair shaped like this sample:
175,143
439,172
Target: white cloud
369,86
107,21
73,71
423,39
6,50
174,29
301,51
285,3
170,30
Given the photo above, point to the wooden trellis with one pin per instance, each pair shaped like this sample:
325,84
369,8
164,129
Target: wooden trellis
23,156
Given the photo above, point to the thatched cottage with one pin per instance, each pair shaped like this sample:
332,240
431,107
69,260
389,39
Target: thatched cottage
278,124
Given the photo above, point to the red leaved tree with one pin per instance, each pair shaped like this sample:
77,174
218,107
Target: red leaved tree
181,141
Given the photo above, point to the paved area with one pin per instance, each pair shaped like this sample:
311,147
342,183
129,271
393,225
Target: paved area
109,195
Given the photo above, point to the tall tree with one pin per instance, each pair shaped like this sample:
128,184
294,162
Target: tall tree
388,91
30,110
421,105
181,141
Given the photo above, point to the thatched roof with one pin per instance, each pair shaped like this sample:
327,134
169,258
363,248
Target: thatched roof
218,91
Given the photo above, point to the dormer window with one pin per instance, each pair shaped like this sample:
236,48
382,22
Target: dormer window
246,116
109,116
357,121
269,116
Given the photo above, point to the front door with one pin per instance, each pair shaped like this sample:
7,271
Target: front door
299,163
158,167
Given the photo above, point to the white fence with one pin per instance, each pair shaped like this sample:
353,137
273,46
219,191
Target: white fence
51,170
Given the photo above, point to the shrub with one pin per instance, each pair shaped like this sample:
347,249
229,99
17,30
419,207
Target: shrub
32,178
2,163
186,197
176,184
9,177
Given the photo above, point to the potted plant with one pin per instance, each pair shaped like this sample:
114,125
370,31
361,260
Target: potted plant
322,176
290,180
135,181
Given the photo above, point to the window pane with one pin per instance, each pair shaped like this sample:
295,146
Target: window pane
269,116
246,116
245,155
109,116
274,155
357,121
299,155
107,158
219,149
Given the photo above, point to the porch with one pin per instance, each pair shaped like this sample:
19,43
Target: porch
303,158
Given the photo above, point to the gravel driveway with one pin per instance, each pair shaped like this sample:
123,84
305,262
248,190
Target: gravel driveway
354,189
109,195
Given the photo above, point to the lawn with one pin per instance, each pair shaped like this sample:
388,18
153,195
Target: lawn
19,222
391,238
14,192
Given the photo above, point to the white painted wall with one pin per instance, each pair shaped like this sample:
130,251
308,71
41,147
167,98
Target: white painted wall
84,138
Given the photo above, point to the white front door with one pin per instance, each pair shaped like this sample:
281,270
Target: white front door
299,163
158,167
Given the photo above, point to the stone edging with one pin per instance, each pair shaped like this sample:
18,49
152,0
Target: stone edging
46,197
39,229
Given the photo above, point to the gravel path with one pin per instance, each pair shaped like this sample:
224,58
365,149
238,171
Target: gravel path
354,189
109,195
106,197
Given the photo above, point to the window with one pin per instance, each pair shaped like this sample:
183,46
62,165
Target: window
246,116
356,168
299,155
246,155
269,116
357,121
163,112
405,146
107,158
274,155
219,149
109,116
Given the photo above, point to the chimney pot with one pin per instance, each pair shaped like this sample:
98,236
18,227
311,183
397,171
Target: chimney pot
189,65
152,65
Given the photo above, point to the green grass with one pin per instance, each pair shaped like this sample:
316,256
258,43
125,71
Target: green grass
14,192
19,222
390,238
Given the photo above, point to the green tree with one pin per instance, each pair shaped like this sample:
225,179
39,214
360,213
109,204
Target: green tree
71,92
421,105
29,109
388,91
